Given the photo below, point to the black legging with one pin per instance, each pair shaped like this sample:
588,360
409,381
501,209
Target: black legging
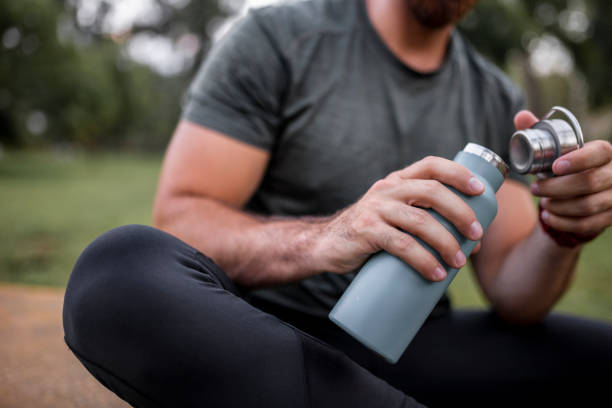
160,324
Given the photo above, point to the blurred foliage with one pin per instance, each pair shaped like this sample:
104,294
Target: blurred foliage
502,29
67,77
65,82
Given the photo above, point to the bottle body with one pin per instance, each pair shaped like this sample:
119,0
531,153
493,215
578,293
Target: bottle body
388,301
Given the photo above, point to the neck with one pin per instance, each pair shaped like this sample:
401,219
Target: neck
421,48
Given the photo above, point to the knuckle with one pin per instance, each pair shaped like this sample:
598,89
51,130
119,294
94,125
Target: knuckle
386,209
604,145
404,243
385,240
373,204
393,177
592,180
588,205
428,161
381,185
431,187
418,217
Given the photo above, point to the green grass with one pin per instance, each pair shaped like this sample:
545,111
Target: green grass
590,294
52,206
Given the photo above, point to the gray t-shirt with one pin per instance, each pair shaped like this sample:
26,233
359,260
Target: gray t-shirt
314,84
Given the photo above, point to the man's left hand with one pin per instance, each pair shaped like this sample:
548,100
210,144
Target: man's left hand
579,199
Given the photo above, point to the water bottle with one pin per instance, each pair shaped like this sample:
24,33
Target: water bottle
388,301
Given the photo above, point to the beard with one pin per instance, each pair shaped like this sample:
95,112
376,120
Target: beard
439,13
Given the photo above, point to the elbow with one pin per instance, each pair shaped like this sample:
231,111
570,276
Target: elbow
162,215
159,218
520,314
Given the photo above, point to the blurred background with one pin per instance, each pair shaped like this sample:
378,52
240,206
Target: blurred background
90,91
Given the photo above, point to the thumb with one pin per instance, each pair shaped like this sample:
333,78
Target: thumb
524,119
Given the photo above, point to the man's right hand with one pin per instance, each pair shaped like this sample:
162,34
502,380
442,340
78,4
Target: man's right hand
398,202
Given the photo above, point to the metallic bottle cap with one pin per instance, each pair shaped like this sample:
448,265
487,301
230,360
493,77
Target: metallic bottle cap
535,149
489,156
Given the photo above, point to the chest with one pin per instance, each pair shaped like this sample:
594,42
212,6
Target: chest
345,129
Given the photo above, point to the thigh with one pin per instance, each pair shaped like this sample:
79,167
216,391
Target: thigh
474,358
161,325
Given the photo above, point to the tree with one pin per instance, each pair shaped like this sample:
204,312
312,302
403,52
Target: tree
501,28
63,78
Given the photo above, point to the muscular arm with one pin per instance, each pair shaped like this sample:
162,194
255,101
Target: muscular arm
206,179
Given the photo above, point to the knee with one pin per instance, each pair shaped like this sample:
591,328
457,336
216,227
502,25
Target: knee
109,272
113,253
127,245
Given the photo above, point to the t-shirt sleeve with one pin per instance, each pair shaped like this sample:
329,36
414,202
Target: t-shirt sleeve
239,87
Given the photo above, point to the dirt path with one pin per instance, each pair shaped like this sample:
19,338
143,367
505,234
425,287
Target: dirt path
36,367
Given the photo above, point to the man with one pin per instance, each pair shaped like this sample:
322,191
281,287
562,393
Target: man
312,133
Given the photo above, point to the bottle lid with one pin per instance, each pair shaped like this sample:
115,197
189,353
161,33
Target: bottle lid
572,121
488,155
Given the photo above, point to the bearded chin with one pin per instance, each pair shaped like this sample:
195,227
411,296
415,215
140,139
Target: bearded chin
439,13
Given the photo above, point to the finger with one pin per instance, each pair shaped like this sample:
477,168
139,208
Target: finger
580,206
593,224
524,119
593,154
445,171
410,251
574,185
476,248
433,194
420,223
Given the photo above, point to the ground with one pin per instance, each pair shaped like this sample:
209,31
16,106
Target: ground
38,369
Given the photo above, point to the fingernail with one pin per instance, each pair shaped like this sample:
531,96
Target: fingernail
439,273
475,230
545,215
562,167
534,187
544,202
476,185
460,259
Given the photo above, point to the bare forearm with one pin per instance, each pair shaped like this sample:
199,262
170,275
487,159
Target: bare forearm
578,200
253,251
532,277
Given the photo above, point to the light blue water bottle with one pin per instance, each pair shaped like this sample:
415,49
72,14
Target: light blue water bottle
388,301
